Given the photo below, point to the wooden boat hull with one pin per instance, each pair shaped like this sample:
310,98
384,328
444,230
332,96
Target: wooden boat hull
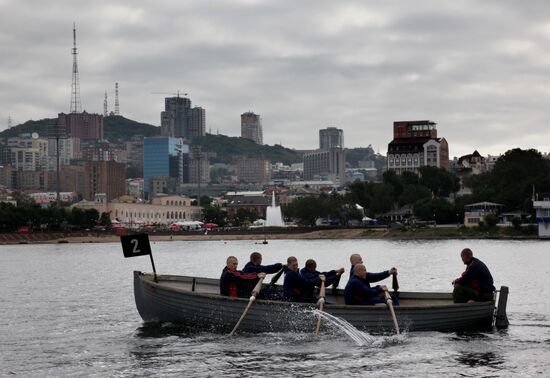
180,300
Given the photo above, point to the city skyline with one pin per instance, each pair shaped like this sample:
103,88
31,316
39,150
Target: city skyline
478,70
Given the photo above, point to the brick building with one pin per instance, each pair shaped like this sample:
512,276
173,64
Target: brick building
104,177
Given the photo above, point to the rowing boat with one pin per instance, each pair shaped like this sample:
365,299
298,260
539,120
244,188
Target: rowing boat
196,303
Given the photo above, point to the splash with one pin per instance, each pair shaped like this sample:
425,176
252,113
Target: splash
359,337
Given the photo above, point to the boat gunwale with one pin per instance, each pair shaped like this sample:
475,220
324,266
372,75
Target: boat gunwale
148,278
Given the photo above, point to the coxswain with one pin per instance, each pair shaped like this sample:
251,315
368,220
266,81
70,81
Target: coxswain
359,292
476,283
234,283
312,278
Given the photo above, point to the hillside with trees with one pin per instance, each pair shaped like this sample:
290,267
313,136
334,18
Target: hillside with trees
229,149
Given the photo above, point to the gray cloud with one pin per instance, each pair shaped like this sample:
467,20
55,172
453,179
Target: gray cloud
479,69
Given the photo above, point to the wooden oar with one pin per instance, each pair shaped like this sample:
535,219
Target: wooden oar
395,286
255,292
390,306
321,303
276,277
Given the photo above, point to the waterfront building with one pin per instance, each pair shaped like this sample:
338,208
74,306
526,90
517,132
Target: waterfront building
251,127
325,164
466,166
542,209
476,212
415,144
132,213
164,157
331,137
46,198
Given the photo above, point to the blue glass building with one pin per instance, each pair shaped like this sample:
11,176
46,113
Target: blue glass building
163,157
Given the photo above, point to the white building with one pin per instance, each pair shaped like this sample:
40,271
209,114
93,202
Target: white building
543,217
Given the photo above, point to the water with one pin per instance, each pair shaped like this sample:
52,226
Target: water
68,310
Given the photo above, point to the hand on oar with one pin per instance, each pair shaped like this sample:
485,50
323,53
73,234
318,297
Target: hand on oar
253,296
320,303
389,302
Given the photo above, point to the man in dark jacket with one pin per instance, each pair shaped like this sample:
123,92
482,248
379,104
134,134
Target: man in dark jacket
476,283
255,266
312,278
354,259
293,284
234,283
358,290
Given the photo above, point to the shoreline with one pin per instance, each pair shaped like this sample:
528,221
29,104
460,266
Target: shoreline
330,234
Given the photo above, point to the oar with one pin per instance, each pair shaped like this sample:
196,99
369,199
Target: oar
395,286
276,277
255,292
321,303
390,306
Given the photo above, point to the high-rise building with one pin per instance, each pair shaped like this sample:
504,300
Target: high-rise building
329,164
331,137
253,170
179,120
69,149
28,153
163,157
83,125
104,177
415,144
251,127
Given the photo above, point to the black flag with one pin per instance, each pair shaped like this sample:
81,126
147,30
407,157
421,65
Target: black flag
135,245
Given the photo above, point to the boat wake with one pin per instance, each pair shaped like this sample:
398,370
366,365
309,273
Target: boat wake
359,337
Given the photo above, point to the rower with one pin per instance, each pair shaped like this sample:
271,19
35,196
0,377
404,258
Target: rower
359,292
255,265
234,283
354,259
293,284
476,283
312,278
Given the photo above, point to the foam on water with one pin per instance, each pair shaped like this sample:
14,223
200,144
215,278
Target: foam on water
359,337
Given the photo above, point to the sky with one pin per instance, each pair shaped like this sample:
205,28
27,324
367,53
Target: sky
479,69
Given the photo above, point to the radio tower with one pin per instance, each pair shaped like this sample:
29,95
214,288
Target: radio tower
117,109
105,105
76,106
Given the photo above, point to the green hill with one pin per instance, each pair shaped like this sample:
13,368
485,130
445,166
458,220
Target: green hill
116,129
228,149
120,129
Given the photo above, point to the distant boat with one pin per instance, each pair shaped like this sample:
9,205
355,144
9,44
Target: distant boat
196,303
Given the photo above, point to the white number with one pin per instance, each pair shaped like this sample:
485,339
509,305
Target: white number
135,243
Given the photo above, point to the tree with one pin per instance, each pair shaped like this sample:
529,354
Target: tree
105,219
306,210
440,182
413,193
214,214
436,209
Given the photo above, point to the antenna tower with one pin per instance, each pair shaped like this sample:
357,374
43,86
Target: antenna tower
76,106
10,122
105,114
117,108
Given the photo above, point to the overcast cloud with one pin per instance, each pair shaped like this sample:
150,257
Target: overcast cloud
480,69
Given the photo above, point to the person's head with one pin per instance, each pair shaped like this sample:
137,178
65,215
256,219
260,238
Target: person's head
311,265
360,271
232,263
292,263
466,255
355,259
256,258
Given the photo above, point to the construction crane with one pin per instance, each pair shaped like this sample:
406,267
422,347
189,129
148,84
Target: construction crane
177,94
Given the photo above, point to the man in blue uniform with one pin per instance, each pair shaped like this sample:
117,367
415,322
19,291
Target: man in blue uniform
354,259
358,290
312,278
293,284
255,266
476,283
234,283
